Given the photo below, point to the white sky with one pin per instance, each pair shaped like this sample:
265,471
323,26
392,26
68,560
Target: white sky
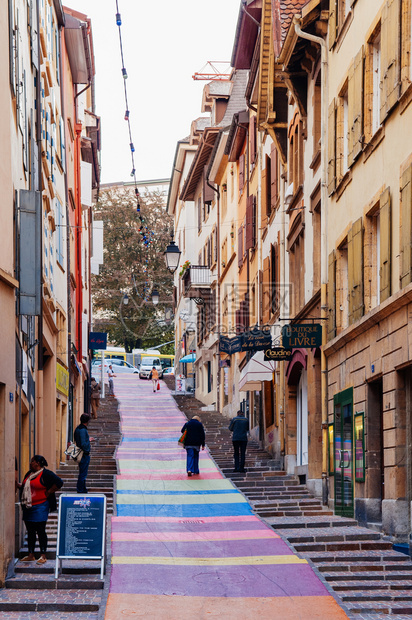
165,43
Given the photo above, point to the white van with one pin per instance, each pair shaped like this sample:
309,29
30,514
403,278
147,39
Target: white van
146,367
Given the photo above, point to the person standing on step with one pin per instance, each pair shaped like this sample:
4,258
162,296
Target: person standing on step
111,374
37,500
195,438
239,426
154,375
95,397
82,440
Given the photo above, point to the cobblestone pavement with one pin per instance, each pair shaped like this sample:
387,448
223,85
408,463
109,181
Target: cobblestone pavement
192,547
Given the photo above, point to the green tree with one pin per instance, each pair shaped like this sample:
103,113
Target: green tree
132,268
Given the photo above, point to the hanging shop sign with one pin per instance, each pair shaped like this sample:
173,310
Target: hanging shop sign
302,336
254,340
62,379
279,354
230,345
98,340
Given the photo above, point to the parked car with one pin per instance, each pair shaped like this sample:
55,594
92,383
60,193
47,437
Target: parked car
168,371
146,367
119,366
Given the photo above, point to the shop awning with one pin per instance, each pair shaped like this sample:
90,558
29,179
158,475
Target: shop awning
255,372
188,359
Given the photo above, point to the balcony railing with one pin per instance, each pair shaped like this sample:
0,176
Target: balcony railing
196,279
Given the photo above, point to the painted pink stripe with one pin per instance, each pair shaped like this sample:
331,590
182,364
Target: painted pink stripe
192,536
238,519
141,475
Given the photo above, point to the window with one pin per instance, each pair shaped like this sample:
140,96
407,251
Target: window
342,134
317,112
376,91
342,302
296,172
241,173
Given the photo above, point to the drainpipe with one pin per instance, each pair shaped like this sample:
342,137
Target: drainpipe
282,382
324,247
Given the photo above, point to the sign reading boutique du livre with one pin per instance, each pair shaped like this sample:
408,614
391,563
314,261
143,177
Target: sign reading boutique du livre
301,336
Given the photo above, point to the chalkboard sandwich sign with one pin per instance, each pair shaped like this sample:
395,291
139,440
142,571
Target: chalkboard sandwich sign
81,532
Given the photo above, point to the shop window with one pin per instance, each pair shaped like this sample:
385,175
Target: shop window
331,459
359,436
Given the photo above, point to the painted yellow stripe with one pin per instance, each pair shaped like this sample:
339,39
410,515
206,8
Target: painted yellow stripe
235,561
210,498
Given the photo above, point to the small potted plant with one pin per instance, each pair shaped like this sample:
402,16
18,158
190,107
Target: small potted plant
184,268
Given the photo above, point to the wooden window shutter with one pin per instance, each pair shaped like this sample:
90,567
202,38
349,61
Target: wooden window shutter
264,201
355,107
355,271
241,172
385,234
215,245
332,148
273,177
332,295
253,141
390,56
199,215
249,223
266,290
208,193
240,246
406,227
333,11
406,48
268,187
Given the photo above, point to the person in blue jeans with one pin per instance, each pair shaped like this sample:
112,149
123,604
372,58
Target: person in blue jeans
239,426
82,440
195,438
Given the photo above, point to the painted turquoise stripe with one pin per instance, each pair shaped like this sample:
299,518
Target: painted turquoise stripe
184,511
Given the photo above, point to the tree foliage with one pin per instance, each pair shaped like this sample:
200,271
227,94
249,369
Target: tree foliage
139,324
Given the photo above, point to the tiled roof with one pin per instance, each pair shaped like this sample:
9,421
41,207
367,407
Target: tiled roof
237,99
289,8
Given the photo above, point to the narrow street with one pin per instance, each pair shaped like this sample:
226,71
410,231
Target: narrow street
193,547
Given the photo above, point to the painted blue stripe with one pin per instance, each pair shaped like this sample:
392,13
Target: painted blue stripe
184,510
182,492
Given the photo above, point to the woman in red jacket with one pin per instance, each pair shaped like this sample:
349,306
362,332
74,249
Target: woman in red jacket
37,499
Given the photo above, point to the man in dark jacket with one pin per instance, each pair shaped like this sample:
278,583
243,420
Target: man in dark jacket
239,427
82,440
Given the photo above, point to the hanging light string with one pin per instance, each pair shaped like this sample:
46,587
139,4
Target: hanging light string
146,234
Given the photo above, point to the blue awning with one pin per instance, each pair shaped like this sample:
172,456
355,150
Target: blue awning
188,359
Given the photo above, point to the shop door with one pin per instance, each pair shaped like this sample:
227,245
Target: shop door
302,420
343,450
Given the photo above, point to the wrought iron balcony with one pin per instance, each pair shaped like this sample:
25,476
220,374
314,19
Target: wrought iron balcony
196,282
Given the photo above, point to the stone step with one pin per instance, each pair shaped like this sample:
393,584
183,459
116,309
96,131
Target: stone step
380,607
356,567
73,601
334,546
336,534
40,581
280,523
355,578
378,556
375,586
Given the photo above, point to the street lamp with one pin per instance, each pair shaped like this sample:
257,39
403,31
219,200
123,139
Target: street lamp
172,256
125,299
155,297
